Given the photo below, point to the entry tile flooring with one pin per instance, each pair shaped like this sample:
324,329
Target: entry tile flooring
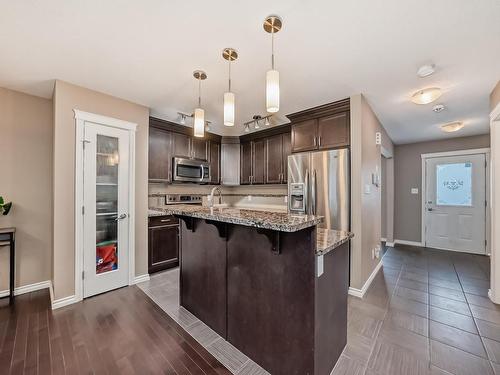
427,312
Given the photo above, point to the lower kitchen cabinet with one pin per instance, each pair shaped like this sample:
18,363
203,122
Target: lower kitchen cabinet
163,243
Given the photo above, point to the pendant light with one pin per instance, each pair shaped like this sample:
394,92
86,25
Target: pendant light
199,113
230,55
272,25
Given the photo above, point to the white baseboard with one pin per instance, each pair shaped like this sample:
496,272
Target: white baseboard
390,244
410,243
28,288
361,292
141,278
65,301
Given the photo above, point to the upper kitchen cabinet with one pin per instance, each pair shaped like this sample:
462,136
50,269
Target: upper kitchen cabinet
160,144
264,156
215,157
321,128
199,148
168,140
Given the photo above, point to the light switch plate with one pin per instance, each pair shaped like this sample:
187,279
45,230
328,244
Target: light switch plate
320,266
368,189
414,190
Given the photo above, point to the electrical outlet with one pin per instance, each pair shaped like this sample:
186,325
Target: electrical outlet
249,198
373,253
377,251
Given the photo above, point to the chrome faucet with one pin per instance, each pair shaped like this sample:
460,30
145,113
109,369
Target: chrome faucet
211,200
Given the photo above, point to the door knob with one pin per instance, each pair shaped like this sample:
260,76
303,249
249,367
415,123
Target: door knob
429,209
121,217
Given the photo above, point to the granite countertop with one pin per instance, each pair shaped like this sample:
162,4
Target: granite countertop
155,212
329,239
279,221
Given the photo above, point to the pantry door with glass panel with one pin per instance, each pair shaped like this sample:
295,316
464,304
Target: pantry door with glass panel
106,209
455,203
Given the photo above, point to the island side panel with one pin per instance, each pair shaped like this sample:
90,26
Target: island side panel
271,299
203,274
331,309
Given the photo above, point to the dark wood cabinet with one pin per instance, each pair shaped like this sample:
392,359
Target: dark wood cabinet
321,128
274,159
163,243
287,151
333,131
304,136
215,162
181,145
160,160
246,163
199,148
258,162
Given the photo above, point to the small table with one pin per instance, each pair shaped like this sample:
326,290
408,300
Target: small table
7,238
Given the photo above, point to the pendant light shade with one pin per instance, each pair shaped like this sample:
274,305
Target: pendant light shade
199,123
199,113
272,25
229,109
230,55
273,91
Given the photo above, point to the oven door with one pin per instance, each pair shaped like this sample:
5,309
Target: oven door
187,170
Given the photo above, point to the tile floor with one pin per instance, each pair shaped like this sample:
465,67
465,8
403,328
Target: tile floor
426,312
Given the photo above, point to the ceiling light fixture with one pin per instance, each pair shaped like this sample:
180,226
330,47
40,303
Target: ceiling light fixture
230,55
426,96
426,70
272,25
183,118
452,126
199,113
438,108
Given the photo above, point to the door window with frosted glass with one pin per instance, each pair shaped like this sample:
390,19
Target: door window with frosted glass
106,204
454,184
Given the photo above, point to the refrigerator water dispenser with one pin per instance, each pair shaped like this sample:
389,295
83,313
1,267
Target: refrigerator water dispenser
297,197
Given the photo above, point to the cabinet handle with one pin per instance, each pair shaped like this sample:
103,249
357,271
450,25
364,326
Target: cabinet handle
165,220
314,141
319,141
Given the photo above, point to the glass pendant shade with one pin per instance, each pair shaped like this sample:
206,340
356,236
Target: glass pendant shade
199,123
273,91
229,109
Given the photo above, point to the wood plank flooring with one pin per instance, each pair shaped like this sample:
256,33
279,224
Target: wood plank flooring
120,332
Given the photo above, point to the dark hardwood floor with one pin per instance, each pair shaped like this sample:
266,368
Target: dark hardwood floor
120,332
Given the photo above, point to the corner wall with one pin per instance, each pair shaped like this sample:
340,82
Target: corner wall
366,212
68,97
26,180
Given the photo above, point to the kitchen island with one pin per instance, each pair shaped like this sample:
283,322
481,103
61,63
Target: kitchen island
272,284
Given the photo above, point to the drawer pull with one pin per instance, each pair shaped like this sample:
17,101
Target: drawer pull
165,220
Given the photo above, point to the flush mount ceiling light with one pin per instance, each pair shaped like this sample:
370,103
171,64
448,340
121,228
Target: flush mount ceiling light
438,108
452,126
230,55
426,70
272,25
199,113
426,96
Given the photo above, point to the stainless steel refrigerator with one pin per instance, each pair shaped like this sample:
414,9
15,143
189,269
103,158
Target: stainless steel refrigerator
318,184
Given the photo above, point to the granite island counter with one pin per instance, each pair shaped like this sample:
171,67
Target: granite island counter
272,284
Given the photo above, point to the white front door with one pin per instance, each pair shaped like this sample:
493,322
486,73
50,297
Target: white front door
106,208
455,203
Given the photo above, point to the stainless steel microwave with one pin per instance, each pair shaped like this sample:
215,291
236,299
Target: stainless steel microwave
190,170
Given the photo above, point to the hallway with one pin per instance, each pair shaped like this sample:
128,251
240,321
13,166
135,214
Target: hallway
426,311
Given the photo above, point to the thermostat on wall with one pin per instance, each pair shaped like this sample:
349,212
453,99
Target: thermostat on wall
414,190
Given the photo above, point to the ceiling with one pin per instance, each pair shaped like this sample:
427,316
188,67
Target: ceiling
145,51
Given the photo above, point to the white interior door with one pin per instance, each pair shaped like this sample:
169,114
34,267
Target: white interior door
106,208
455,203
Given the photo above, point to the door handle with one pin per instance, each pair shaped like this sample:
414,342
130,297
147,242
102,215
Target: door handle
121,217
430,209
313,195
306,194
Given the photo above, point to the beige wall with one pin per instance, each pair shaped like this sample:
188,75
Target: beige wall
68,97
26,180
365,208
495,96
408,174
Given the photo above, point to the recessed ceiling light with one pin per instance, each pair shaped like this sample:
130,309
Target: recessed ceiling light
426,96
426,70
452,126
438,108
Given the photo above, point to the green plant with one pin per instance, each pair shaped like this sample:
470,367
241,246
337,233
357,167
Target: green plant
4,207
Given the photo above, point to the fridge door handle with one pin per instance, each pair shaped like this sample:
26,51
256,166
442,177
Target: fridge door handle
306,194
313,193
